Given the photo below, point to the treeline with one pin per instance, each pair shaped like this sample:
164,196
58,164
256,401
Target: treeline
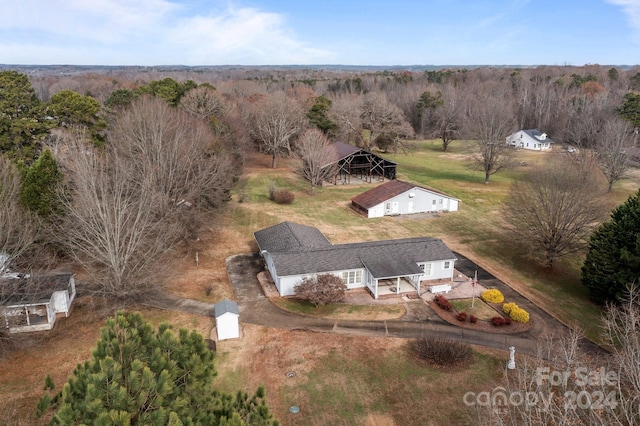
114,170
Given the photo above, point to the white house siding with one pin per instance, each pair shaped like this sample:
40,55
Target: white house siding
271,267
288,283
416,200
438,270
62,300
227,326
521,139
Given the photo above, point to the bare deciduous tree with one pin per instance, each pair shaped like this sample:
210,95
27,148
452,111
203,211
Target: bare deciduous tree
346,113
132,203
177,152
321,289
622,335
18,228
274,121
610,147
317,157
490,120
448,116
203,102
381,117
112,224
553,209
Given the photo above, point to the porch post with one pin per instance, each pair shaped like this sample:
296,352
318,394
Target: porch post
26,310
375,289
397,285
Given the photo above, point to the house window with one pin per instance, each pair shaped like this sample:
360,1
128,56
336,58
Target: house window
426,268
447,264
434,202
440,201
388,206
352,277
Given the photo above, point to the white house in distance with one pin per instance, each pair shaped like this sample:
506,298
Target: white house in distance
226,313
398,197
391,267
532,139
33,303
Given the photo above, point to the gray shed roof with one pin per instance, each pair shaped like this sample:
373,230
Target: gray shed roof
225,306
32,289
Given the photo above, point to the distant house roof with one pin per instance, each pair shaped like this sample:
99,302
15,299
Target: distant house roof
32,289
387,190
225,306
288,236
384,259
538,135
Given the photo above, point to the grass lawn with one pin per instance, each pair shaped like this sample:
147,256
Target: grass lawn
476,230
480,310
342,311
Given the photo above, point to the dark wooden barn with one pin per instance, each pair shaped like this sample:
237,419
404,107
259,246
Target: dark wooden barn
359,165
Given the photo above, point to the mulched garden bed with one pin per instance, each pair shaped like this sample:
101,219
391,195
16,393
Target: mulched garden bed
451,318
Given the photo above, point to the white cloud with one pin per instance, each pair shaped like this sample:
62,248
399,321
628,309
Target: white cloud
146,32
631,9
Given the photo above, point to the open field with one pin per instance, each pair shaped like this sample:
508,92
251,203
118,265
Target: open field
339,379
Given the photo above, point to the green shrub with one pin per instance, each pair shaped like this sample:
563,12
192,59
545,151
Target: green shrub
508,307
519,315
492,296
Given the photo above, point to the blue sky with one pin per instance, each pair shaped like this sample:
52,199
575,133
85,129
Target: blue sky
350,32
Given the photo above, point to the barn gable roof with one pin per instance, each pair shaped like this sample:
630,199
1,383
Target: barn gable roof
388,190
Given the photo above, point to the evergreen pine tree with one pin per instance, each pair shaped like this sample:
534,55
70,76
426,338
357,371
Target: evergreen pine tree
613,259
138,375
39,185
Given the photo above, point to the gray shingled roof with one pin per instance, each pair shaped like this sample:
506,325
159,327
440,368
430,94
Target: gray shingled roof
225,306
288,236
535,134
388,258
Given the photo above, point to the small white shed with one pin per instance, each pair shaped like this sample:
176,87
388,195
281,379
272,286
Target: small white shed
227,324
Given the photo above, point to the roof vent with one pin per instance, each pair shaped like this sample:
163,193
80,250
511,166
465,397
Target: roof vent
412,194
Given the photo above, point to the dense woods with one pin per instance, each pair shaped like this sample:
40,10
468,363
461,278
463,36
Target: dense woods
170,144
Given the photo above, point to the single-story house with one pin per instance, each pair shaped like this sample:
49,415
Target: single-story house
292,252
397,197
532,139
226,313
31,303
357,164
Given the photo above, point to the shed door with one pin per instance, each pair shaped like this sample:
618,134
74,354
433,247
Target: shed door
394,207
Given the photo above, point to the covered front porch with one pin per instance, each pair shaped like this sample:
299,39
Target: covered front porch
400,286
392,277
